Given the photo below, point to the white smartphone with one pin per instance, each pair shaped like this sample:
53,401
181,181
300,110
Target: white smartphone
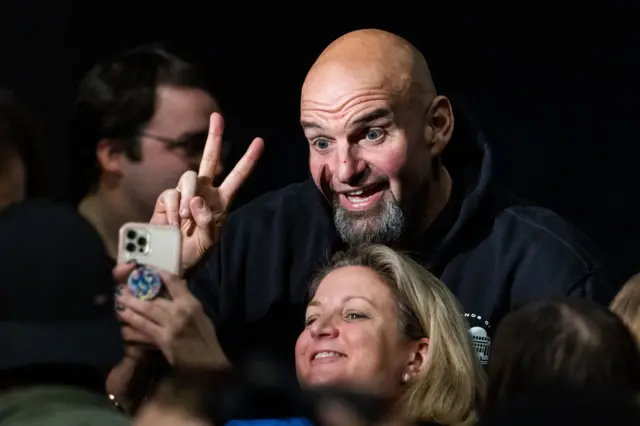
156,246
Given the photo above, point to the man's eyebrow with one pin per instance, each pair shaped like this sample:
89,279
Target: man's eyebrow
194,134
380,113
309,125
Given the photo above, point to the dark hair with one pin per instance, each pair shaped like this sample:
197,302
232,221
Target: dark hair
116,99
20,133
560,406
567,343
221,396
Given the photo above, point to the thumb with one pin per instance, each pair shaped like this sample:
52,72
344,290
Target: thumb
202,214
174,284
121,272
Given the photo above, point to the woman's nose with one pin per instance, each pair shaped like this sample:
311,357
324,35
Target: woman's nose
323,328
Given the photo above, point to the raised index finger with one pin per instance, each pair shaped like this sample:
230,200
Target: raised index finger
211,153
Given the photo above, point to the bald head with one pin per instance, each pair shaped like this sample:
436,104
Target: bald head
376,59
374,124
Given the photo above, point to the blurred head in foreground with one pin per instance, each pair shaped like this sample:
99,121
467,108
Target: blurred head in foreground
567,343
626,305
206,398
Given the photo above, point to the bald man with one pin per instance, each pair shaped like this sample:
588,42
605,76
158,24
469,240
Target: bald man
388,166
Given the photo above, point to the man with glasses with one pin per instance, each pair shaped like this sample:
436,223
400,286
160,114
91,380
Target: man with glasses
139,122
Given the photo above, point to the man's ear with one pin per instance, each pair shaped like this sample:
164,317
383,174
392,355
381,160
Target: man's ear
110,156
439,125
418,361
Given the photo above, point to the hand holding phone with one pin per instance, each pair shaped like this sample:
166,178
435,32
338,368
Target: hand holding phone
150,247
177,324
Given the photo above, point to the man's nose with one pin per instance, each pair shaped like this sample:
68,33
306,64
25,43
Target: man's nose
350,167
323,328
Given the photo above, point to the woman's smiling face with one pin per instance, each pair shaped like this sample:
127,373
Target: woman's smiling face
352,334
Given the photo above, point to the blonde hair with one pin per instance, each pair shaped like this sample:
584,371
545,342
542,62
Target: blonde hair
453,383
626,305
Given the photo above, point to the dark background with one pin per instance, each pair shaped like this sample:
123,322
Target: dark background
554,86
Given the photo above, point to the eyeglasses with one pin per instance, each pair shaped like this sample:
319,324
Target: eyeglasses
192,145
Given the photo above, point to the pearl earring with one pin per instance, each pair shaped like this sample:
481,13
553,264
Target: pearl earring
406,377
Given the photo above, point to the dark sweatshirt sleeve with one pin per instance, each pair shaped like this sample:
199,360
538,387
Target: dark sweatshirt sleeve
216,279
205,284
594,285
558,264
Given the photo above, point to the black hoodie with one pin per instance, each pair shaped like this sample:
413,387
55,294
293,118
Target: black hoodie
493,250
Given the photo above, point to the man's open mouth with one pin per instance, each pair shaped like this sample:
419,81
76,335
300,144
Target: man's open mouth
363,198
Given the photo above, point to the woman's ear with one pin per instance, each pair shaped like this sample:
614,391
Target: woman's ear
418,361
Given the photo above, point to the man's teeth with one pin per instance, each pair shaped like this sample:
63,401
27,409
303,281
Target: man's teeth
325,355
356,196
357,199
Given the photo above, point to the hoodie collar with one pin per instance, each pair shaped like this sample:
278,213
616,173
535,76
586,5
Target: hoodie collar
468,160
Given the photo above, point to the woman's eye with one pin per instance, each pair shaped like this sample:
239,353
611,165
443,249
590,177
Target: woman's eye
309,321
374,134
354,316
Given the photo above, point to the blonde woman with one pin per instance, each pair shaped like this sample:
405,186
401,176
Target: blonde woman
626,305
380,322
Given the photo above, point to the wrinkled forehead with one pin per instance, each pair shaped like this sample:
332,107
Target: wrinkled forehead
332,86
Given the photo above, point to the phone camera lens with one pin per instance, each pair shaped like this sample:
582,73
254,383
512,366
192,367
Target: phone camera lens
130,247
142,241
131,234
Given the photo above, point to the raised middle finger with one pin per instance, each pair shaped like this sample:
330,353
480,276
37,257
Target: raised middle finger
187,188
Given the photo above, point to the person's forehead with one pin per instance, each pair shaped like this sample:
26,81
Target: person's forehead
353,281
343,92
182,110
185,100
333,82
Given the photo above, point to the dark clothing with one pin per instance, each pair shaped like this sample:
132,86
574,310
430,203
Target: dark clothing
271,422
57,290
57,405
493,250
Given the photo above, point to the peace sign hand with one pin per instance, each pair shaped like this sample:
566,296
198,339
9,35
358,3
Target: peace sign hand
198,208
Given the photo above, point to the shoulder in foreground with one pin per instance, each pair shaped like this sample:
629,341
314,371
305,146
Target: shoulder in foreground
90,416
539,225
